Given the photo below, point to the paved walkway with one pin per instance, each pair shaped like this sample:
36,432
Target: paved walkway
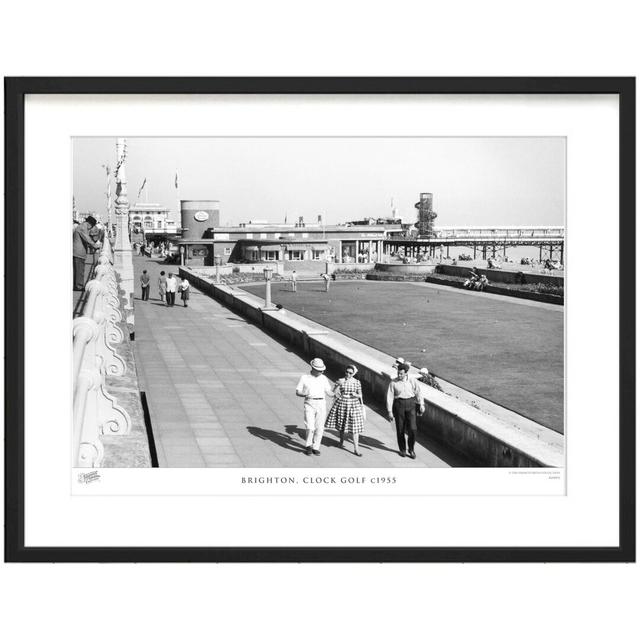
221,393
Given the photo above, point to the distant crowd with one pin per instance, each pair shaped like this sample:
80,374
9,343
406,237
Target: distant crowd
168,286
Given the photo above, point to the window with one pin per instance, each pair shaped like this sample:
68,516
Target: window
305,235
291,235
296,254
270,256
263,235
318,254
227,251
249,236
221,236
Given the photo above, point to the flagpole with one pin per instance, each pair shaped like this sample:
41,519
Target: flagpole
109,203
178,215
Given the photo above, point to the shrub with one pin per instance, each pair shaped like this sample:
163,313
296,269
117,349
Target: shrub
542,287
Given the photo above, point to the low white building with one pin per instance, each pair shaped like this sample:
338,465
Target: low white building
152,219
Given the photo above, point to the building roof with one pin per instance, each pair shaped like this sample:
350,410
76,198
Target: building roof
148,207
317,228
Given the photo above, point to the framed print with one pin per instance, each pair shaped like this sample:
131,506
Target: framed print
320,319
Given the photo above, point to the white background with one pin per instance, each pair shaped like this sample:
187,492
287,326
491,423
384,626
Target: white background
490,38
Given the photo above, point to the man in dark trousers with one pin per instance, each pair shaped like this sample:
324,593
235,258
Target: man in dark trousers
172,286
81,242
403,395
145,282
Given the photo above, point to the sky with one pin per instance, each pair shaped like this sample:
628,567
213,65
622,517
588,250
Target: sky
475,181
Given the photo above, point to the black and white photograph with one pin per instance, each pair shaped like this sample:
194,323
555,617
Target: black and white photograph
318,303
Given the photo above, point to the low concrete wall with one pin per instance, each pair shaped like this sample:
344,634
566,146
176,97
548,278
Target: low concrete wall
512,442
228,269
502,291
503,275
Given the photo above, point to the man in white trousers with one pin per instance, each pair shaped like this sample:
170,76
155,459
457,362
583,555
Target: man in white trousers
313,387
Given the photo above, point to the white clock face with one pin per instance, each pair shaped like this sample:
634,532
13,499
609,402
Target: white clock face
201,216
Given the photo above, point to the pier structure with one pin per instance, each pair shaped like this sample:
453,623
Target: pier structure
487,241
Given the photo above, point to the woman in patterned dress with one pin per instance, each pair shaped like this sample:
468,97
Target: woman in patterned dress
347,414
162,285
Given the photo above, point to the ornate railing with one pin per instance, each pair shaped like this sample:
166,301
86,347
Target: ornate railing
95,411
537,233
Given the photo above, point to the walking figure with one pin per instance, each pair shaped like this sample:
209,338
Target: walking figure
172,285
162,285
347,413
313,387
145,281
184,291
403,395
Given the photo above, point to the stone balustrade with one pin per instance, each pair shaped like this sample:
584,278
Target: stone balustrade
95,411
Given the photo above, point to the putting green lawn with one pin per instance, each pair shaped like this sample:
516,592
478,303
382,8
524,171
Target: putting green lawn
501,349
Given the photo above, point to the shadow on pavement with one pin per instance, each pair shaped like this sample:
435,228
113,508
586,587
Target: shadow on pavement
295,430
334,440
281,439
373,443
301,432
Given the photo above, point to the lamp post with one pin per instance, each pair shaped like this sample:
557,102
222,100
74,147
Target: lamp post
268,274
122,199
217,261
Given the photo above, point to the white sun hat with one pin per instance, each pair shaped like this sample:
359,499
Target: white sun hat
317,364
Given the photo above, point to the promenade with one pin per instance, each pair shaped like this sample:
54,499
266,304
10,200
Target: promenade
221,393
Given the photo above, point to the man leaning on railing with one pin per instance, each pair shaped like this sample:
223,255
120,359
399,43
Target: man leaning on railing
81,242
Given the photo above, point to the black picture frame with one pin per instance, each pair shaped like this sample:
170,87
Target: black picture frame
15,91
